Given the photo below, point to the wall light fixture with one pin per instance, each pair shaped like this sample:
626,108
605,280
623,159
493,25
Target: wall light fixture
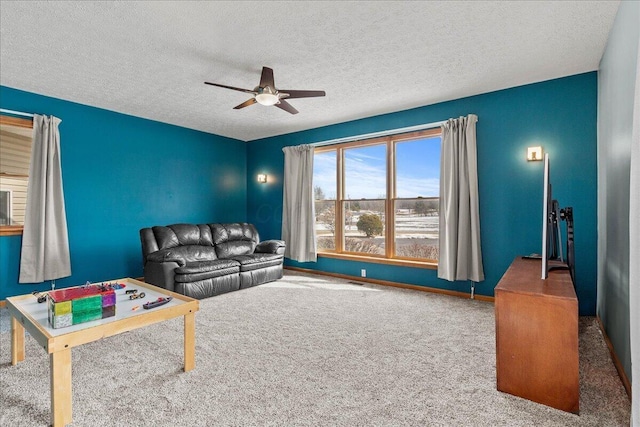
534,154
262,178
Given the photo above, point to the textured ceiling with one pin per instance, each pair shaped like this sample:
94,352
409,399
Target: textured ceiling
150,59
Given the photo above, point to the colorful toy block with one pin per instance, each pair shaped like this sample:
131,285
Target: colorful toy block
71,306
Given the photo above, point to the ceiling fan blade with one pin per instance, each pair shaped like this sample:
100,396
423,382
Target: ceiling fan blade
300,93
284,105
231,87
246,103
266,79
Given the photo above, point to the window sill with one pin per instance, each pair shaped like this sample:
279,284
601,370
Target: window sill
376,260
10,230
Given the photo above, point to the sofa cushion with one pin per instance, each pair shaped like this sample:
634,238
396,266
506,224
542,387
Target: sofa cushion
202,270
175,235
259,260
184,254
234,239
195,277
204,266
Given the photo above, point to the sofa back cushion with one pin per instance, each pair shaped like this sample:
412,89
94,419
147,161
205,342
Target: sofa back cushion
175,235
234,239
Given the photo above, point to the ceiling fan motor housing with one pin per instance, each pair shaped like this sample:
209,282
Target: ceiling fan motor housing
266,95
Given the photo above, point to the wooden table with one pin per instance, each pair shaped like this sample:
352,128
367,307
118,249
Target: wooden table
537,336
27,313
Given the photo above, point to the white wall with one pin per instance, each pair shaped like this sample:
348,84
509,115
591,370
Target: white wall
634,250
617,78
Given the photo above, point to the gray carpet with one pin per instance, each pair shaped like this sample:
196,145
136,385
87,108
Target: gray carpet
307,351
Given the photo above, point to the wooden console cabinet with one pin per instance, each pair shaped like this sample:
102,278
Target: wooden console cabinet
537,335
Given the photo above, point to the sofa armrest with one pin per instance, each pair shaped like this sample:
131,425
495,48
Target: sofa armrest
149,244
161,274
271,247
166,255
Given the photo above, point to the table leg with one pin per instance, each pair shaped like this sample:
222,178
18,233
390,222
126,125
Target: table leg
17,341
189,341
60,362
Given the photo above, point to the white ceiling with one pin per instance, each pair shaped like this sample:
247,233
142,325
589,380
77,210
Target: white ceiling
150,59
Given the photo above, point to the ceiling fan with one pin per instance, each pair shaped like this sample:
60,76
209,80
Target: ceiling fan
267,94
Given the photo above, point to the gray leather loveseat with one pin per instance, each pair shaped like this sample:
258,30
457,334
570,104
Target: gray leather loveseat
203,260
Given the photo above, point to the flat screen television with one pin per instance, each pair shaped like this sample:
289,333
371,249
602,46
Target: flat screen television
552,214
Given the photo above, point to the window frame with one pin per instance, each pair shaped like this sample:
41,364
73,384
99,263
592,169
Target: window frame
12,230
389,223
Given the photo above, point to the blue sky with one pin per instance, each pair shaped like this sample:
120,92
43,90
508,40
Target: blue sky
418,166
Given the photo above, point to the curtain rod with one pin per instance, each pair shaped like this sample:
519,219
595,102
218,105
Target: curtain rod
16,113
379,134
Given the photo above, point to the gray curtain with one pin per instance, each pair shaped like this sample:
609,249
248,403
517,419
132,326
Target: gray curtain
298,212
460,253
45,242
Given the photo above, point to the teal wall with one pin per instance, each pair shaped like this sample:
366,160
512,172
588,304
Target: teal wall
558,114
123,173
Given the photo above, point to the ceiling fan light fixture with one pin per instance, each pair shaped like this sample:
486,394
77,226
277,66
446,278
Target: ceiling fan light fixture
267,99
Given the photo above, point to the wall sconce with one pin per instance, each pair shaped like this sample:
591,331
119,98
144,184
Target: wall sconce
262,178
534,154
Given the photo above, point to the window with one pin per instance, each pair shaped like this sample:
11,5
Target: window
6,213
324,191
15,156
379,198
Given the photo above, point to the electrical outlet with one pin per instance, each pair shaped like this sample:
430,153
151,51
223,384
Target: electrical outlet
363,273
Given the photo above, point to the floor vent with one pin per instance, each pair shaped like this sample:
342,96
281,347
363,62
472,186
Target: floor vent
356,283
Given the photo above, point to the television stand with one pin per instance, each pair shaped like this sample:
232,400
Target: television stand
558,267
537,335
